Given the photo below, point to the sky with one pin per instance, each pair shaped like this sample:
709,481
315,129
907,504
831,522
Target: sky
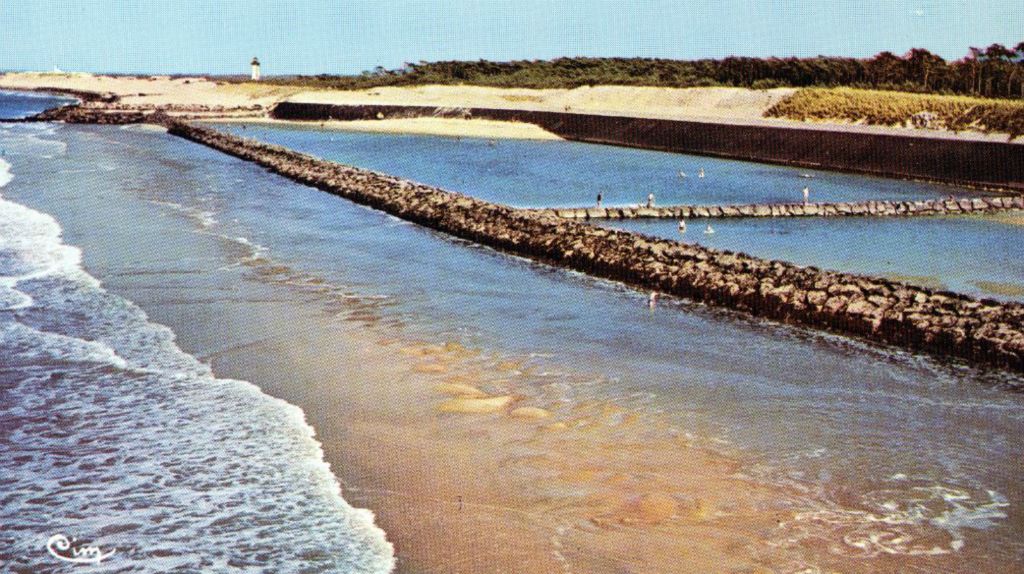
348,36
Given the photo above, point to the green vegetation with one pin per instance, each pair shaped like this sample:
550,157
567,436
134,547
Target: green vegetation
996,71
897,109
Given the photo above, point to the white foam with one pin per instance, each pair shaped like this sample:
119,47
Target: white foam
5,172
912,521
30,248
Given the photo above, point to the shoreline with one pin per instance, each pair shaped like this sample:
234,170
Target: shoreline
537,485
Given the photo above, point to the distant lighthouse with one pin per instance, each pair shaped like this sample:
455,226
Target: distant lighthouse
255,69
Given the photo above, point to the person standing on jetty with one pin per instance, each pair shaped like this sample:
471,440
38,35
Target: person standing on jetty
650,199
807,194
600,197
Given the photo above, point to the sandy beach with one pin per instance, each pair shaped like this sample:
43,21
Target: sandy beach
151,90
423,126
679,103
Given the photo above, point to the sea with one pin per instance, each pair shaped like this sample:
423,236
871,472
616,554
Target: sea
112,437
117,437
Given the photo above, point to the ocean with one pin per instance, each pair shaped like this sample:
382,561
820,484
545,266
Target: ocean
115,437
145,439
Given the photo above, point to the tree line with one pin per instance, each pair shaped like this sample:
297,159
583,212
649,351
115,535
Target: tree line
995,71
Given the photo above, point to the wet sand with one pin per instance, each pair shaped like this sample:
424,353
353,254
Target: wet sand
521,484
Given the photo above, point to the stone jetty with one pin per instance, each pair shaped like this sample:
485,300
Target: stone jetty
877,208
115,113
942,323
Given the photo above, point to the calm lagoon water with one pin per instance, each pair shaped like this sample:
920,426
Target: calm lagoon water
888,454
560,173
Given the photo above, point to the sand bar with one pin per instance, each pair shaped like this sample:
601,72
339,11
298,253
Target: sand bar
489,129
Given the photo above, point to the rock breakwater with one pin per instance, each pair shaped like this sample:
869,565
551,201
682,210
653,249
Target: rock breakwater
878,208
942,323
116,113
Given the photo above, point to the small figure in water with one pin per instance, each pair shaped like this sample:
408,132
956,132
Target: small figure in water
682,174
708,230
682,226
600,198
701,174
492,143
650,200
807,194
652,300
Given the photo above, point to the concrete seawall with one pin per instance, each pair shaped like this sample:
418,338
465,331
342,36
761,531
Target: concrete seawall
983,164
942,323
878,208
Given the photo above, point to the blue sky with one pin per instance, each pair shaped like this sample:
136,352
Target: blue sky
347,36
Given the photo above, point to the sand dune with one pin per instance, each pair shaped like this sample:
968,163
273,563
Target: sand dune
153,90
732,103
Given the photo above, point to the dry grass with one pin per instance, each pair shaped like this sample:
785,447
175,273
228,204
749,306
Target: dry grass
957,113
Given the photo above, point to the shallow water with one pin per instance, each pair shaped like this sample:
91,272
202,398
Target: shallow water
887,456
526,173
975,255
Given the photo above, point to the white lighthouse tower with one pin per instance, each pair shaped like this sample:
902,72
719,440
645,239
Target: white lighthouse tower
255,69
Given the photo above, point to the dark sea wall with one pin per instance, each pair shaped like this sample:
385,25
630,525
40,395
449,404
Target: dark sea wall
942,323
875,208
985,164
